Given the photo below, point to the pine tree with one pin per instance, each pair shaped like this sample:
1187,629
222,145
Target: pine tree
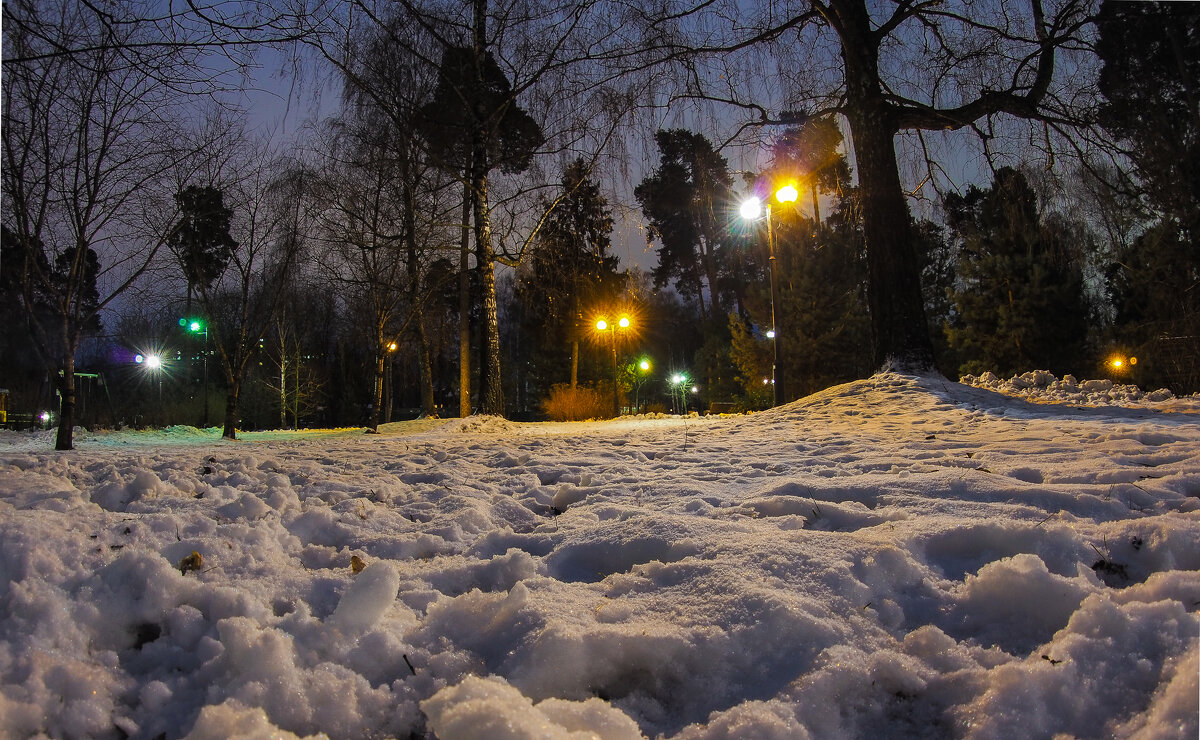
568,272
1020,303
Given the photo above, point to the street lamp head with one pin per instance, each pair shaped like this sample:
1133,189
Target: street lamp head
751,208
770,333
787,194
601,325
624,322
154,362
644,365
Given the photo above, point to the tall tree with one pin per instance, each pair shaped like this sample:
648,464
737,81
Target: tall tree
88,147
475,122
1019,301
493,59
1151,84
685,201
243,288
363,226
569,269
887,68
200,239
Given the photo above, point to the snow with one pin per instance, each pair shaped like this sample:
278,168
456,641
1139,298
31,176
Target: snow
901,556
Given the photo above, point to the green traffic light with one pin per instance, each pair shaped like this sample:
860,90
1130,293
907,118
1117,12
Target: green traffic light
195,326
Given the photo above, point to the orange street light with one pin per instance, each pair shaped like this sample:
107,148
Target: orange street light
602,326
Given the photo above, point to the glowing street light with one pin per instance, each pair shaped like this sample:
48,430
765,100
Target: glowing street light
678,381
197,326
153,364
602,325
751,209
640,372
1122,364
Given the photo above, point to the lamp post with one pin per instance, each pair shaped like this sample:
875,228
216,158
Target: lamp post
602,325
678,393
642,367
153,364
196,326
751,209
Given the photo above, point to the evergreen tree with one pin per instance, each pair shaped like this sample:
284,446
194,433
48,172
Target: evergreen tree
823,291
200,239
1151,83
474,126
685,203
1019,300
569,271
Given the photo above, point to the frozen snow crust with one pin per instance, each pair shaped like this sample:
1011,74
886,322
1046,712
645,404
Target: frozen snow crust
897,557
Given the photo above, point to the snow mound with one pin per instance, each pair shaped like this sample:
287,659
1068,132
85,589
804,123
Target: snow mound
1041,386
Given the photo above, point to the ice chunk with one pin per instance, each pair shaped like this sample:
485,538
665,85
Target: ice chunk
367,598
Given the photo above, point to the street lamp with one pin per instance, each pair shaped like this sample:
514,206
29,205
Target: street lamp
678,399
196,326
153,364
602,326
751,209
639,379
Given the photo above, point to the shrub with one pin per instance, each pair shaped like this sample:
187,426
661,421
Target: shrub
575,404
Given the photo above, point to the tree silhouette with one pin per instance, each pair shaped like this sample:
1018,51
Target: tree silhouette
200,239
685,202
1019,302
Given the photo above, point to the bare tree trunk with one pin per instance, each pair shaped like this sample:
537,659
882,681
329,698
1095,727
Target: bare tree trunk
464,309
491,391
576,316
283,404
389,389
231,407
377,394
900,335
296,394
425,368
65,439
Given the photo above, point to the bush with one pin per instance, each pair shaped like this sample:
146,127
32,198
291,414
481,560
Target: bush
575,404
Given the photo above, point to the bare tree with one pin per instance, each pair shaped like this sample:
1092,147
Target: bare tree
367,191
523,81
243,299
888,68
89,146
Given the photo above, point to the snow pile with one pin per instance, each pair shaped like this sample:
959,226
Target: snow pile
1041,386
897,557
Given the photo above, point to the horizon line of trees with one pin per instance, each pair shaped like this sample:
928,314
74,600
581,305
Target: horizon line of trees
356,270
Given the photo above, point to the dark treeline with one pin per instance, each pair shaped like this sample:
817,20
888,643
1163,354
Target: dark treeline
443,243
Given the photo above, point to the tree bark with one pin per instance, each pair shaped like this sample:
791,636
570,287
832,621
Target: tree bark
898,329
231,408
464,309
577,321
491,391
377,394
65,439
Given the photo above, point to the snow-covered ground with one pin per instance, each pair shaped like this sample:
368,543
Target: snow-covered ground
897,557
